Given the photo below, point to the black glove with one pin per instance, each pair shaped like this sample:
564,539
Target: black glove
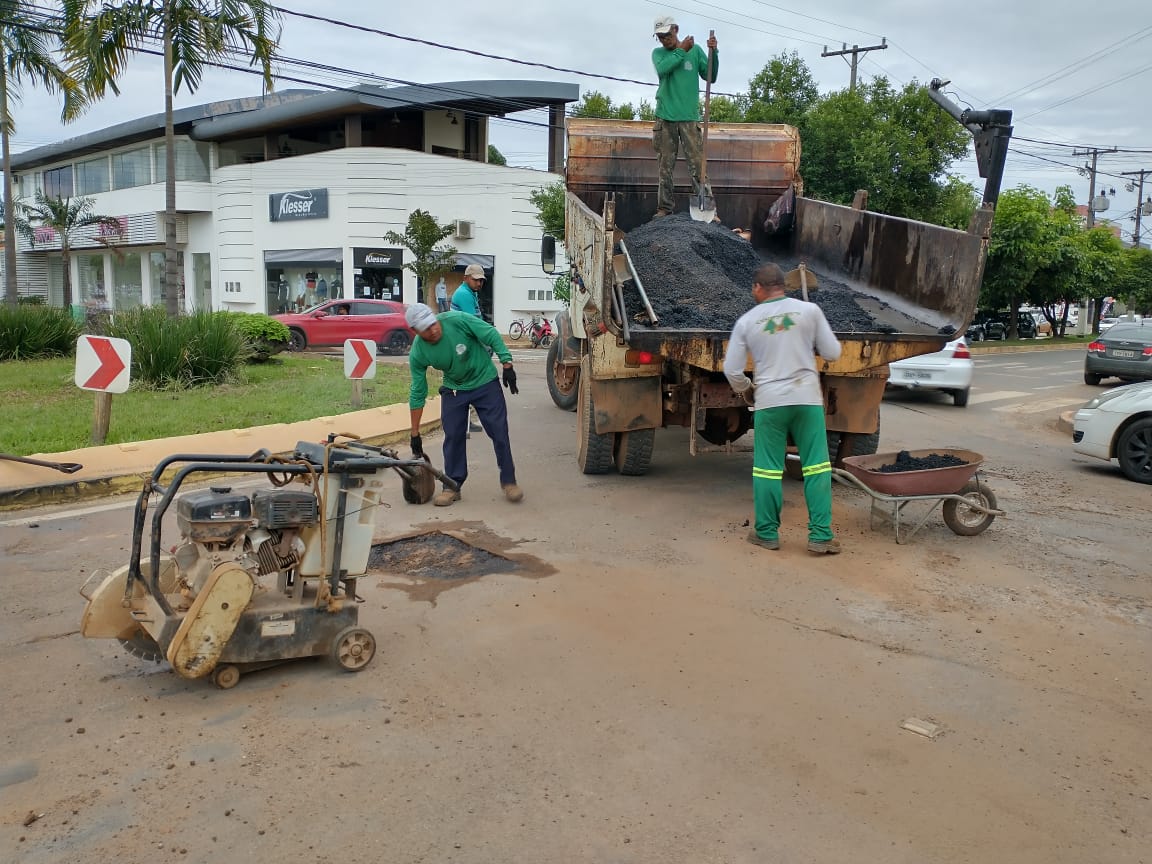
417,446
510,380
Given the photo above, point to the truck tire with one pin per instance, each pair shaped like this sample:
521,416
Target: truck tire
563,381
633,451
862,445
594,452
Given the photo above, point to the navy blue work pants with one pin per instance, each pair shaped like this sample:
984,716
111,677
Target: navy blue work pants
488,400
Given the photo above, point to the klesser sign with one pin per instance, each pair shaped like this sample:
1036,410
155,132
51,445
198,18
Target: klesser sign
303,204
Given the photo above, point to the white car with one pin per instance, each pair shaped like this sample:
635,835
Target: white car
949,370
1117,425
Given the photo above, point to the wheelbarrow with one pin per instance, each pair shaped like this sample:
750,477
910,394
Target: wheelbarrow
969,506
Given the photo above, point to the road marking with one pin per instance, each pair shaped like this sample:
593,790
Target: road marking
1041,406
996,396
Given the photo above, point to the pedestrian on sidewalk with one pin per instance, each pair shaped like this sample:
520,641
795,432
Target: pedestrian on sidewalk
461,345
782,334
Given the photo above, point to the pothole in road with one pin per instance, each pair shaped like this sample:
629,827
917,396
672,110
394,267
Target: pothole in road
434,561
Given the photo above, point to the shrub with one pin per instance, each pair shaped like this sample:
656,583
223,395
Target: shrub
30,300
31,331
176,353
265,335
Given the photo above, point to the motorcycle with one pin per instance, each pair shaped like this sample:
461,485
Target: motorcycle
541,333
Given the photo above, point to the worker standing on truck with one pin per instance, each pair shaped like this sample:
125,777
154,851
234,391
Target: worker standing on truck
680,64
781,334
458,345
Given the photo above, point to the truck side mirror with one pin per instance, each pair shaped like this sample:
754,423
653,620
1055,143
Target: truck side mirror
548,253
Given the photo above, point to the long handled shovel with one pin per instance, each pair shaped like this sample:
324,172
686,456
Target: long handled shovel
702,206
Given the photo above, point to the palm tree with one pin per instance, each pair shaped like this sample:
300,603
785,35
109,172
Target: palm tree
26,58
65,216
193,33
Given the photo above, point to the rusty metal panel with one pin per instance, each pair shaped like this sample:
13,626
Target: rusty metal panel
930,272
852,403
749,166
625,404
584,246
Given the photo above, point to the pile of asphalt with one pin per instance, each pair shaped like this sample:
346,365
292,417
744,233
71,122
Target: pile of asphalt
698,276
905,461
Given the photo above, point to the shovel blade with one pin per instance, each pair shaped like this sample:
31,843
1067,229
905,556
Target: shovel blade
702,208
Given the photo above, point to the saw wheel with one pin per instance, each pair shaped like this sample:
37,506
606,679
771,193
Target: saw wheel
143,646
421,488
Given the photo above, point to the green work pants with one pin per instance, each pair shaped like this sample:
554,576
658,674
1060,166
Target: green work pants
804,424
670,138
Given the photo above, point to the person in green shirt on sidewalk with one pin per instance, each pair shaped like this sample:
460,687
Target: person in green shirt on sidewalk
680,64
460,346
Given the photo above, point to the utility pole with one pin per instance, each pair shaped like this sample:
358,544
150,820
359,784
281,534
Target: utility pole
1143,208
1094,152
855,51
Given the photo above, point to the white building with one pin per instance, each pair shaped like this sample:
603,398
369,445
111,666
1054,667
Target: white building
285,199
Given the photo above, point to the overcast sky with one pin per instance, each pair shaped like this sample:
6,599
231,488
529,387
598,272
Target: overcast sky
997,53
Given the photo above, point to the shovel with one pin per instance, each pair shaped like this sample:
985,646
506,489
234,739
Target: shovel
66,467
801,278
702,206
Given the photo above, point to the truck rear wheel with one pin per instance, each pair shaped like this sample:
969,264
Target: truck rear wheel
722,427
563,381
594,452
633,451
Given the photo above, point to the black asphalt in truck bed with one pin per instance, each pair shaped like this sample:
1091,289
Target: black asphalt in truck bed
698,276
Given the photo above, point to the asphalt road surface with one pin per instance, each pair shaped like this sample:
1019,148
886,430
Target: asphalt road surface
646,687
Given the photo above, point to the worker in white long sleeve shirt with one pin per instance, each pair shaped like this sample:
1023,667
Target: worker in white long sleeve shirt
782,335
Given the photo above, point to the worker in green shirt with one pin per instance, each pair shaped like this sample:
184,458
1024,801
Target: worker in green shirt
680,64
459,345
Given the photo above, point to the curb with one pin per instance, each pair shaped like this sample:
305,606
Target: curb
71,491
984,348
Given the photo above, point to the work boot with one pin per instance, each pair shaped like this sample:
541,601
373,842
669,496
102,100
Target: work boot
445,498
824,547
756,540
660,214
513,492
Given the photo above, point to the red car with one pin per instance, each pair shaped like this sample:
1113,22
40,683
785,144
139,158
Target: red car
328,324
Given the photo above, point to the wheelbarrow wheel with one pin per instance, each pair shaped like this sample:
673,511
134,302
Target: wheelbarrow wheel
964,520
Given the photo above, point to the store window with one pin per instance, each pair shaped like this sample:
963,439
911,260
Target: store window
90,289
379,273
127,280
92,176
298,279
156,265
192,161
131,168
202,280
58,182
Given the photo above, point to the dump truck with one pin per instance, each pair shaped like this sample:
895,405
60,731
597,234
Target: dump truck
626,380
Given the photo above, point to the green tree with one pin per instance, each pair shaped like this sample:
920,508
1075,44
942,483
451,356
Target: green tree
423,237
957,204
26,57
1021,244
782,92
1100,266
66,217
1134,282
549,204
599,105
725,109
897,144
102,35
495,157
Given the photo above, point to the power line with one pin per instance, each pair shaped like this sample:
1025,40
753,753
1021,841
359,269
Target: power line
1090,91
753,18
814,18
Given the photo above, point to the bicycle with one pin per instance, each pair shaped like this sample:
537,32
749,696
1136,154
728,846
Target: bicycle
519,327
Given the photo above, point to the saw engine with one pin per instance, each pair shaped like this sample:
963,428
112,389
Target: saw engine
261,533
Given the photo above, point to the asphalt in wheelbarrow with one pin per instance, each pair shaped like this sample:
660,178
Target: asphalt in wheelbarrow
925,481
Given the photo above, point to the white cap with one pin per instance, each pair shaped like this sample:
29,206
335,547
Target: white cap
419,317
664,24
475,271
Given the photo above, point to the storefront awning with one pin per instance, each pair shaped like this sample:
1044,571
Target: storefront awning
334,255
463,259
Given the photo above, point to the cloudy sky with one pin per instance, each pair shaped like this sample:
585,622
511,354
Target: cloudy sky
1070,76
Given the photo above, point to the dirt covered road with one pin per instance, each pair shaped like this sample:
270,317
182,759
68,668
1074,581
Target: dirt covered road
645,687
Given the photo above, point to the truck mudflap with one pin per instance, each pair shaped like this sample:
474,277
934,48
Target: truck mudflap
626,404
852,402
569,344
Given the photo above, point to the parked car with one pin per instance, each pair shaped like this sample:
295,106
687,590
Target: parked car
949,370
1124,352
1106,323
329,324
1117,425
1043,326
986,325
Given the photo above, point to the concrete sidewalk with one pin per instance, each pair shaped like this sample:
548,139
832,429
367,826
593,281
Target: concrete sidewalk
116,468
